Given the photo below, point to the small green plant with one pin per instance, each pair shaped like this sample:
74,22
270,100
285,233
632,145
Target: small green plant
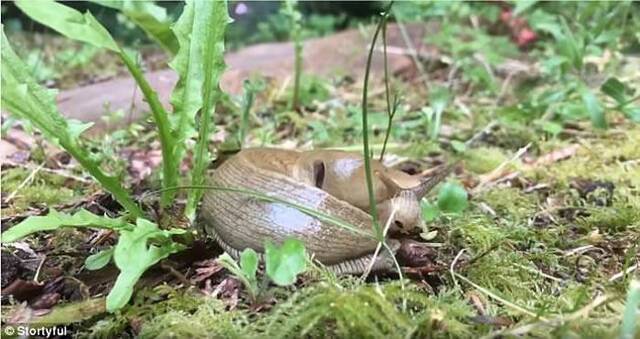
282,264
573,94
140,245
452,198
250,89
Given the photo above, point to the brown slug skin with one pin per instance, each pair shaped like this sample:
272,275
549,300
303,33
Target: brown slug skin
242,221
331,182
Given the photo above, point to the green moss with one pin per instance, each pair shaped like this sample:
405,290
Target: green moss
611,159
483,159
43,188
511,203
210,320
148,305
366,311
611,219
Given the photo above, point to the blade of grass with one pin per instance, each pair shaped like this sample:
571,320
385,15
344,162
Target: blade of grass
302,208
391,112
295,26
365,131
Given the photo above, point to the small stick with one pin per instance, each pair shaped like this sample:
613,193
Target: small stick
621,274
24,182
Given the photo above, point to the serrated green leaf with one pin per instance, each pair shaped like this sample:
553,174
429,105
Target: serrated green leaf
250,282
592,105
249,263
615,89
55,220
98,260
135,253
86,28
199,63
68,22
25,98
151,18
283,264
452,198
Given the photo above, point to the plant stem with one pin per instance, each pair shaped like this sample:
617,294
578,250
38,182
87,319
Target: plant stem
295,27
365,135
247,103
386,90
169,165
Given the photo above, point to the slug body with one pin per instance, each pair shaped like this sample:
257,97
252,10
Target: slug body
330,182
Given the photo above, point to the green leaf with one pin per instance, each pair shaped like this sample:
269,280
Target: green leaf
285,263
250,282
55,220
68,22
137,250
89,30
551,127
98,260
199,63
592,105
523,6
25,98
615,89
452,198
249,263
458,146
151,18
429,211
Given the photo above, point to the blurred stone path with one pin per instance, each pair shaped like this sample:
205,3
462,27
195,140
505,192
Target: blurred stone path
342,54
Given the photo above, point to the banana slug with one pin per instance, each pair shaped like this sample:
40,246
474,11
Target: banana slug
332,182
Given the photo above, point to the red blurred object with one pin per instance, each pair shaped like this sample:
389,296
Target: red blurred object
521,33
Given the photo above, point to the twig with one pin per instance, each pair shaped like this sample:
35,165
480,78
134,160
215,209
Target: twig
175,273
623,273
532,270
581,313
498,298
37,275
379,247
413,53
24,182
58,172
495,174
453,266
582,249
480,134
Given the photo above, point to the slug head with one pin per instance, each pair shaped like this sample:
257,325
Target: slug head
406,202
405,209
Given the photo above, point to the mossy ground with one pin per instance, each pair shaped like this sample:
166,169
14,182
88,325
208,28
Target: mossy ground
533,253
